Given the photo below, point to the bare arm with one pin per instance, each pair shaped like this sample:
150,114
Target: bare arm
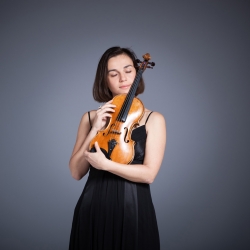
78,164
154,152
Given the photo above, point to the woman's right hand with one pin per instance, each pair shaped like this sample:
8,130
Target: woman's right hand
102,114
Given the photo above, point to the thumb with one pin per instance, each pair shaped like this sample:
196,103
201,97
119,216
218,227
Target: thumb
97,147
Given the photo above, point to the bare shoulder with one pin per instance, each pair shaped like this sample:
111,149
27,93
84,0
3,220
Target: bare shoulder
155,121
82,132
154,117
86,122
92,115
89,118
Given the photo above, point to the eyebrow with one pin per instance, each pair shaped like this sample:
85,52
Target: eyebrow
123,67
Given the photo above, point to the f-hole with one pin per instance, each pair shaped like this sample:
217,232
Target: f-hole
110,128
126,133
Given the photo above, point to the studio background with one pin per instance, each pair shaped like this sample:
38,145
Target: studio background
49,54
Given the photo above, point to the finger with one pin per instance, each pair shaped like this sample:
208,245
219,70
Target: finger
104,114
105,117
110,101
97,147
109,104
105,104
112,106
105,110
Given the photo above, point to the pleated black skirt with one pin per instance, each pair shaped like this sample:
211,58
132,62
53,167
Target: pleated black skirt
113,213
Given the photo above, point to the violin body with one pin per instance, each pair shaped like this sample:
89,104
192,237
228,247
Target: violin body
115,140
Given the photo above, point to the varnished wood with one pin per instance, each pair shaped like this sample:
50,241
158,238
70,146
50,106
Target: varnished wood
124,151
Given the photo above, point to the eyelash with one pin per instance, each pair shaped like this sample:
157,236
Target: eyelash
125,72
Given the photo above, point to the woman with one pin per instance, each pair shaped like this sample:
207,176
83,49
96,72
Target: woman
115,210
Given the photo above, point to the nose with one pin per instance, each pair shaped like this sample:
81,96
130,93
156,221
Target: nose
123,77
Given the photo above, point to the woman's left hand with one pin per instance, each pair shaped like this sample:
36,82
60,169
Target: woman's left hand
96,159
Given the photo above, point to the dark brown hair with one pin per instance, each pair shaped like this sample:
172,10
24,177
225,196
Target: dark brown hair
101,92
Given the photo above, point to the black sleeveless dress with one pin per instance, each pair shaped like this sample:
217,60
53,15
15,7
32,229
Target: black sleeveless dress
113,213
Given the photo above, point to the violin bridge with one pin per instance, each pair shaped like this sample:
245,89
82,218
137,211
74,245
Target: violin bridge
111,145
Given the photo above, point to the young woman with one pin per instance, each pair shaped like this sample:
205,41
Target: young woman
115,210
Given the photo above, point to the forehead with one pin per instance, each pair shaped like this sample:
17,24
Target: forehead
119,61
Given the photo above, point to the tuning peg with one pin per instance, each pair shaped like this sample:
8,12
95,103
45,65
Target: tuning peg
138,61
152,64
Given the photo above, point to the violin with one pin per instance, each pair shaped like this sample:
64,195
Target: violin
115,140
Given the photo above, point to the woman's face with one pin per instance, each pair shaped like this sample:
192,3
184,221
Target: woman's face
121,74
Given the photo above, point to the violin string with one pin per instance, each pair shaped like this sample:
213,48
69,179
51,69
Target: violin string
121,113
132,92
124,108
119,117
126,105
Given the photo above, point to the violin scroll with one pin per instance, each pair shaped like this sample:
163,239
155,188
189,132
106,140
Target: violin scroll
145,64
146,57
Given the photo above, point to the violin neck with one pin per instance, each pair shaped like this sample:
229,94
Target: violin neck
122,116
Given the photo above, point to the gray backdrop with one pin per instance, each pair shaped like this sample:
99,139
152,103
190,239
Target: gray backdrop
49,53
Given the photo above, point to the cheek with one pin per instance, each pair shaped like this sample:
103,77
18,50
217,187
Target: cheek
133,75
110,84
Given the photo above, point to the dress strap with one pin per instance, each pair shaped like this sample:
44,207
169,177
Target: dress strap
148,116
89,120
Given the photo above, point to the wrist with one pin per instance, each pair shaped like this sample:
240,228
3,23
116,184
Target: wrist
94,130
106,164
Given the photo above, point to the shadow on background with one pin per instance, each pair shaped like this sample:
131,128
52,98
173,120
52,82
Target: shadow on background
49,53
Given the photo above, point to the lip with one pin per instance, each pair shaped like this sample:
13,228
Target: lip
125,86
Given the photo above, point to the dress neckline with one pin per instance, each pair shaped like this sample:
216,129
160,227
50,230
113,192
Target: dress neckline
138,127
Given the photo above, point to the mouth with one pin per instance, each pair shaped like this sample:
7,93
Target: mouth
125,86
